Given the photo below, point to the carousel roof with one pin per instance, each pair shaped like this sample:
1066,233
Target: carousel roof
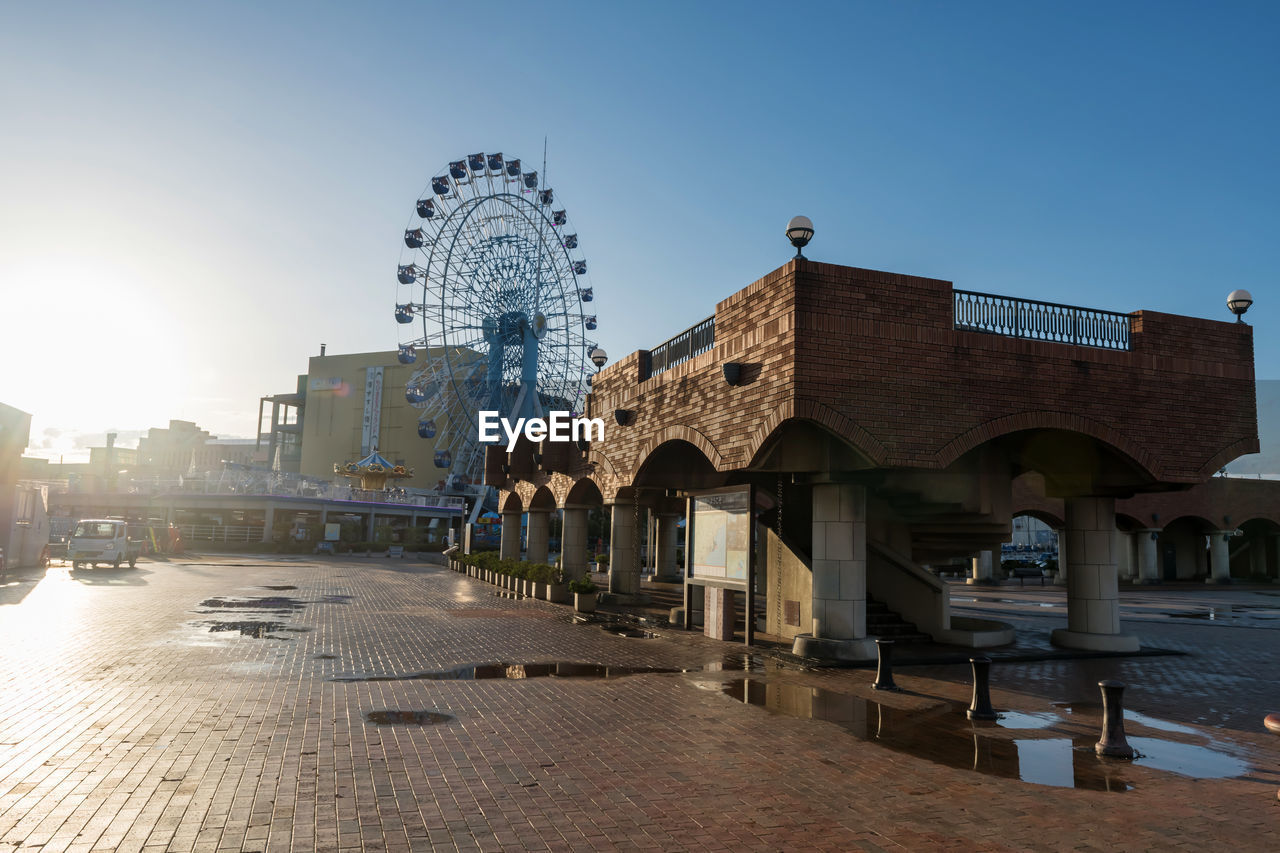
373,465
375,458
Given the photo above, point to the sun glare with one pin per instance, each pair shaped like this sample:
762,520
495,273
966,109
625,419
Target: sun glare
92,348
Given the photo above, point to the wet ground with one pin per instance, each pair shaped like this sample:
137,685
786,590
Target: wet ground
260,704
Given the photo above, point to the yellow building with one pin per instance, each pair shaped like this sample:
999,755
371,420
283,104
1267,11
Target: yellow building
355,405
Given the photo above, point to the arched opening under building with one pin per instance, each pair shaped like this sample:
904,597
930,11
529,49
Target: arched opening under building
1182,549
1255,554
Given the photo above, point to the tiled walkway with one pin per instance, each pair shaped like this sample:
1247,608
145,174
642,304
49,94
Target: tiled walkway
153,709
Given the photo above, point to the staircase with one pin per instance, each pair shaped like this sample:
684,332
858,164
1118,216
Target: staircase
887,625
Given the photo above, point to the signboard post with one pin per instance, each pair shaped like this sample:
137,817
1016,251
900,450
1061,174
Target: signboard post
720,548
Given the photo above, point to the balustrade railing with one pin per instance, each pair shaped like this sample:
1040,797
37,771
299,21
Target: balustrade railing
1040,321
221,532
694,340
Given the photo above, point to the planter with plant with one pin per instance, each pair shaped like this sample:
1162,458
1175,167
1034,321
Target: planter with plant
584,594
557,590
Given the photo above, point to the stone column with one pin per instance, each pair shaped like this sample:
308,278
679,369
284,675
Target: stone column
1258,556
268,522
1220,556
510,548
1061,579
839,575
573,542
666,569
1275,549
1126,567
651,544
1148,555
1093,594
624,570
539,533
984,567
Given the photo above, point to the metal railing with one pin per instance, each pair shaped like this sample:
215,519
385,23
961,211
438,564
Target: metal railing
694,340
221,532
1040,321
256,482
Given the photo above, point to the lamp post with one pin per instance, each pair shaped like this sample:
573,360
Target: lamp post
800,232
1239,301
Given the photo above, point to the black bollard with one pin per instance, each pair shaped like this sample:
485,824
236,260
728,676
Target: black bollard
884,666
1113,743
980,708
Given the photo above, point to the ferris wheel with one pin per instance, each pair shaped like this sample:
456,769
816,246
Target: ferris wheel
493,304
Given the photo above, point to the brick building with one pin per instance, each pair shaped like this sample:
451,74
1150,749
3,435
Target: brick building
883,420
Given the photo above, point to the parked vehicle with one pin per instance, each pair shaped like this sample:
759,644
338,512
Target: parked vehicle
103,540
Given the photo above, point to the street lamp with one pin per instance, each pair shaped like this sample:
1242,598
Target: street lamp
1239,301
599,357
800,232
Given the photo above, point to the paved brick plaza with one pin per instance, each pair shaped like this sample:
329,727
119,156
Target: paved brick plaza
126,723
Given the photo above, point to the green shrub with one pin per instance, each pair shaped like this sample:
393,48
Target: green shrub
602,559
542,573
582,586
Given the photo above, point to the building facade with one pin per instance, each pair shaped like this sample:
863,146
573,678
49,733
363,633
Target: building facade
355,404
882,420
15,433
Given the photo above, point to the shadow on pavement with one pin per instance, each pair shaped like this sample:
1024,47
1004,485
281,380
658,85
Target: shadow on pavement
109,577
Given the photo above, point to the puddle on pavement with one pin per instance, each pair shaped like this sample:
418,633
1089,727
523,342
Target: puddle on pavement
1008,601
625,631
325,657
1028,603
269,602
259,606
513,671
1230,613
411,718
562,669
942,734
1186,759
255,629
1026,720
1154,723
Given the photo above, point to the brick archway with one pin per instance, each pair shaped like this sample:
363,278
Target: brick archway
1067,422
810,410
1227,454
677,432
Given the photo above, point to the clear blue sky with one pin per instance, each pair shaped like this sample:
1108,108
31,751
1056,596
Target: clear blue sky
197,195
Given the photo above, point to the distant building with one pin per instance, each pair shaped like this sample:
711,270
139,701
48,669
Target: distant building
355,404
24,527
177,450
279,444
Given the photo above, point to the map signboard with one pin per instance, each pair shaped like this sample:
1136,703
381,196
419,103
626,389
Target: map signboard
720,551
722,535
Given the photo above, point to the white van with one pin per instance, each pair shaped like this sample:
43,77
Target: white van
102,540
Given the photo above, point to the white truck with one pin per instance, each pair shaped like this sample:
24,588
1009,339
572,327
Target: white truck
102,540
